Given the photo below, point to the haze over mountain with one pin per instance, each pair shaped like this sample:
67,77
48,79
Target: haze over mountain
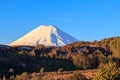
46,35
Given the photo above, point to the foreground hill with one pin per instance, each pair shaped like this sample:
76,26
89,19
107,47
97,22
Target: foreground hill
81,55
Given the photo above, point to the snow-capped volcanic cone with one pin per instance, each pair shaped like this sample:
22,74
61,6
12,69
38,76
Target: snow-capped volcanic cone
46,35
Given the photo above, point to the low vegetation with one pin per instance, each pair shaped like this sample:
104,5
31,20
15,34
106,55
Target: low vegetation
108,71
32,63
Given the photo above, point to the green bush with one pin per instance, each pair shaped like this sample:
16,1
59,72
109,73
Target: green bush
108,71
42,70
82,61
60,70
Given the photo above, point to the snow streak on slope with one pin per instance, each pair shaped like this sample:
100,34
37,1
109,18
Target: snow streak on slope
46,35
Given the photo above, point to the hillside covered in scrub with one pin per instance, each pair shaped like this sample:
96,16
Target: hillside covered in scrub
15,60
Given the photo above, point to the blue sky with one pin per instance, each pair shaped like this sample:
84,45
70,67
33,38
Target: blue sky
83,19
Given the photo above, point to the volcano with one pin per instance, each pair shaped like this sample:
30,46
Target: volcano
46,35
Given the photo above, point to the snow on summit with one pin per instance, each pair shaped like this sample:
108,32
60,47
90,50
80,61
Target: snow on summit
46,35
